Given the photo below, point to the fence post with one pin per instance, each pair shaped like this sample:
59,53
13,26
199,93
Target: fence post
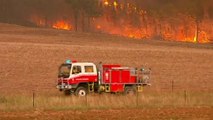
185,96
172,85
137,99
33,99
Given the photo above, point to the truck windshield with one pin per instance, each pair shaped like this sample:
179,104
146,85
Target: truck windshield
64,70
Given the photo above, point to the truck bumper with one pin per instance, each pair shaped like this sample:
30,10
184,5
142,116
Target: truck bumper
63,87
66,87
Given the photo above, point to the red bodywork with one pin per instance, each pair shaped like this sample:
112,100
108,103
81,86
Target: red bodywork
83,78
117,77
79,79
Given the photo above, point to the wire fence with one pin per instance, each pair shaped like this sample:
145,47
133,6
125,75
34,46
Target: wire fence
170,94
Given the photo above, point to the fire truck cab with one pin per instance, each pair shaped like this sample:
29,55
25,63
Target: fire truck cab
81,78
74,77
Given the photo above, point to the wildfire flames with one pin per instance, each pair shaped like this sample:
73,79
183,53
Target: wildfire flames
62,25
148,33
128,31
180,32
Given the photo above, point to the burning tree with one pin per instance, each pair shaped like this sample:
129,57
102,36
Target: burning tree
195,9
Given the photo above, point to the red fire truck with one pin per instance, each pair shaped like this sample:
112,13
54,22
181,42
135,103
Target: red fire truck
82,78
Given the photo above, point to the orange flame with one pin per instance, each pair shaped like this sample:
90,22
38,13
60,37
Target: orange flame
62,25
98,26
203,38
106,3
195,37
115,4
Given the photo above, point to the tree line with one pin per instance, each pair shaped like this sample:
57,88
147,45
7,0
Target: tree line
17,11
83,11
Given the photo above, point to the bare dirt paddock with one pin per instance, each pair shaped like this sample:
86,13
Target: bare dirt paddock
29,59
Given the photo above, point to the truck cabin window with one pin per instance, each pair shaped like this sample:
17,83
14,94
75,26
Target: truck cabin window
76,70
89,69
64,70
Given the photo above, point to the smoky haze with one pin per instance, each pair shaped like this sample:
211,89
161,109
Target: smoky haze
158,19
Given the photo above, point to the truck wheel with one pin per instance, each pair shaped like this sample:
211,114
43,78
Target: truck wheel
81,91
130,91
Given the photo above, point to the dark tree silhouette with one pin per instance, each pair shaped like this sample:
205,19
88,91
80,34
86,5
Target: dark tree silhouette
82,9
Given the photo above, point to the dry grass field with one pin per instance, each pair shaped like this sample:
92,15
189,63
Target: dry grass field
29,59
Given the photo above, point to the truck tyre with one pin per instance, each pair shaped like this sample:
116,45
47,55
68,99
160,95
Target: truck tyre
130,91
81,91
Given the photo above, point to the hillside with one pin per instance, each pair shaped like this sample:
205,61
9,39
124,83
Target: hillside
29,58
